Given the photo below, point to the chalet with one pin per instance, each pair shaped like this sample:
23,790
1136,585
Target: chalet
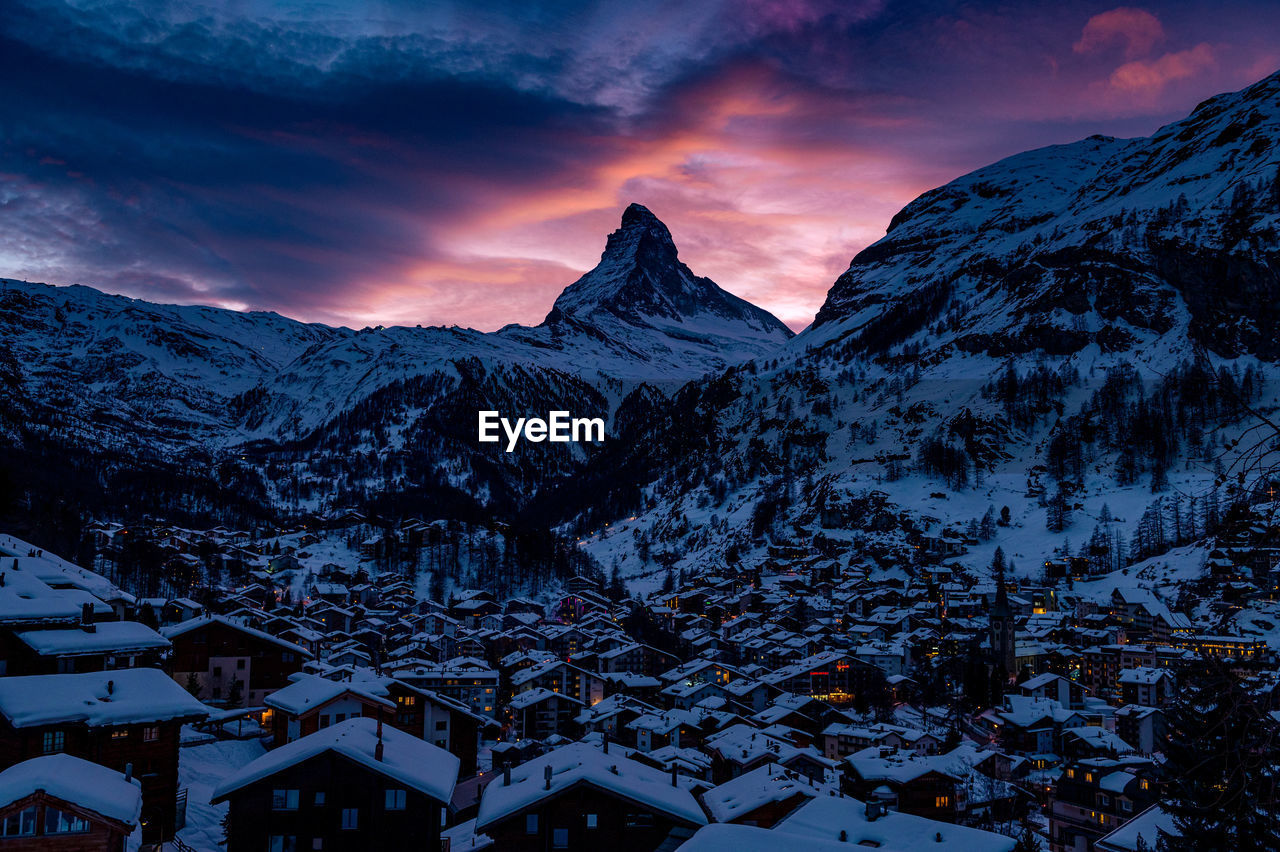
923,786
124,719
91,647
230,664
353,786
312,703
61,803
1066,692
539,713
761,797
581,798
1095,797
1150,687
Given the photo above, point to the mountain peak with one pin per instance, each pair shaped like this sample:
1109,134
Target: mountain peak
641,280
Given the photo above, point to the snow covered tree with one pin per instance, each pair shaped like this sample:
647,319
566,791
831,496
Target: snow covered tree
1221,762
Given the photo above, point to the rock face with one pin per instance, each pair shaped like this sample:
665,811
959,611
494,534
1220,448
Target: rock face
641,281
1113,242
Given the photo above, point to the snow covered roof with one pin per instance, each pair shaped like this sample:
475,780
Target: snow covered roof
751,790
307,692
88,785
406,759
580,763
718,837
1141,832
205,620
825,817
120,697
106,637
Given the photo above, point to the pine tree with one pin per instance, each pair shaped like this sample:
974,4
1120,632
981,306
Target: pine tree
1221,765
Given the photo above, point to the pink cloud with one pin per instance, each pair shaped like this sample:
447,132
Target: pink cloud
1147,78
1139,31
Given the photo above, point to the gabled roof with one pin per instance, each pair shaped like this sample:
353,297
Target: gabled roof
191,624
71,779
580,763
405,759
120,697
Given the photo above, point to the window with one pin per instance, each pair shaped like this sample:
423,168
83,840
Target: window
217,671
531,824
442,725
339,717
53,741
240,663
324,720
282,843
350,819
21,824
1104,800
395,800
1126,806
639,821
317,843
559,838
284,800
319,802
151,733
942,802
120,734
63,822
593,820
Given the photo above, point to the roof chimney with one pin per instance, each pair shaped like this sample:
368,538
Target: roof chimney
506,775
606,742
128,772
111,687
86,619
673,776
377,749
546,775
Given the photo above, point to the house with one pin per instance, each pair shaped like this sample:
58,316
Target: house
922,786
122,719
1066,692
312,703
829,819
353,786
229,664
1150,687
578,797
90,647
539,713
61,803
761,797
1094,797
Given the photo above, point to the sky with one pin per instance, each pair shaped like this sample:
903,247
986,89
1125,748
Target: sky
410,162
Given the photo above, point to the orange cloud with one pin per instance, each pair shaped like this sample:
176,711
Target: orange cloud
1146,78
1139,31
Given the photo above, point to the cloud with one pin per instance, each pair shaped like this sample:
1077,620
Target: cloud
1147,78
1137,29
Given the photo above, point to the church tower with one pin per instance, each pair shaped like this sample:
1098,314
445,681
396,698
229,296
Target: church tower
1002,630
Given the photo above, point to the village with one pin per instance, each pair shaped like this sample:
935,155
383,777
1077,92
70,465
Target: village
799,701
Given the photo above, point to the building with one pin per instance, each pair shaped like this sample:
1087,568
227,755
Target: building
353,786
1097,796
126,720
60,803
582,798
229,664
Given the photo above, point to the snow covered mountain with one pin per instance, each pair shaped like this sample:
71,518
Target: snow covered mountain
1107,242
1079,335
113,374
202,373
